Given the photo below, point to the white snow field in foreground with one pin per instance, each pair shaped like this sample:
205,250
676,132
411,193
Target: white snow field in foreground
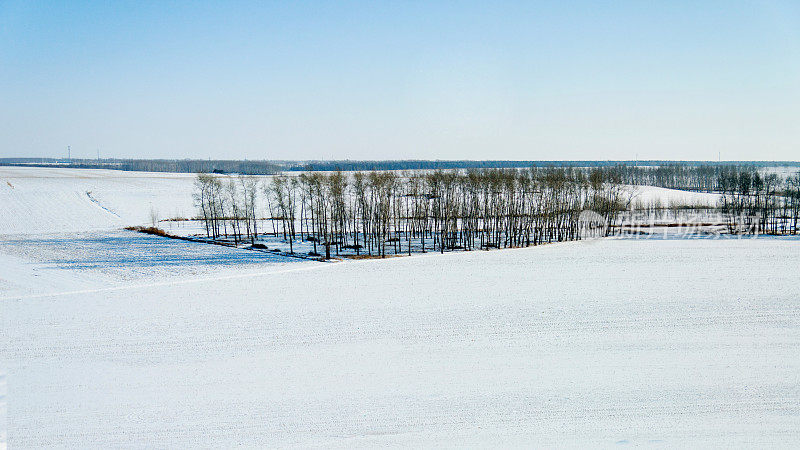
594,343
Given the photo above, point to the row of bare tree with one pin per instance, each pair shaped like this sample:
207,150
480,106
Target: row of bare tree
228,205
762,204
378,213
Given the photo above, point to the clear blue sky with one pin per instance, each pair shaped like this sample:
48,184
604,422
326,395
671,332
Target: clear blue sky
401,79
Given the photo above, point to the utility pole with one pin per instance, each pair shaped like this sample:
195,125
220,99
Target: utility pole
69,154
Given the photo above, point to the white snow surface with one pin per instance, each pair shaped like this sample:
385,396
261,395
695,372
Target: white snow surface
646,195
48,200
117,339
593,343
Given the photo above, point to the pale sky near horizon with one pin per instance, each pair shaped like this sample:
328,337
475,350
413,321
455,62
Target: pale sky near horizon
398,80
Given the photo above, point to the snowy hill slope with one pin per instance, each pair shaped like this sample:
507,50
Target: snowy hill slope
43,200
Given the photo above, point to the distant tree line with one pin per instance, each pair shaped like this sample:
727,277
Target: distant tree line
354,165
157,165
701,177
658,170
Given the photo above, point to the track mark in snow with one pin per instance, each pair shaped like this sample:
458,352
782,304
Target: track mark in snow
94,200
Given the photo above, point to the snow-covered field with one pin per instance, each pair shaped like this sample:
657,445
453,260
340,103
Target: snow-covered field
116,339
44,200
